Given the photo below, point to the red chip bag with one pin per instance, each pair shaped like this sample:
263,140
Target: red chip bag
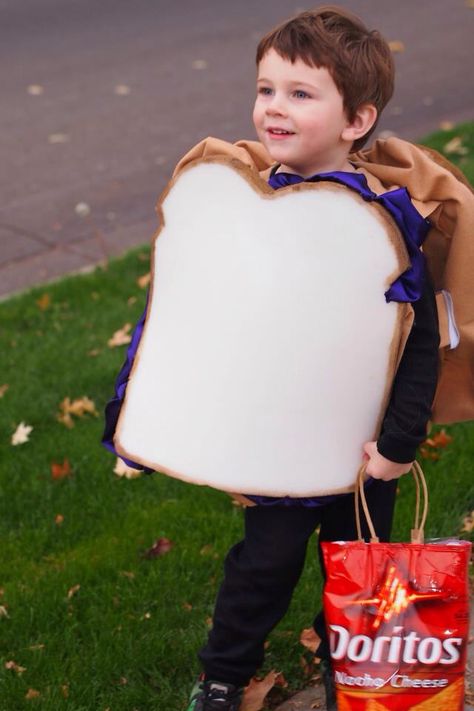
398,619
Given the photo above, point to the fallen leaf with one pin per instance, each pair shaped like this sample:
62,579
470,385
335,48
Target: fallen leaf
60,471
429,454
257,690
122,90
187,606
82,209
35,89
309,639
121,337
199,64
207,549
396,46
78,407
131,300
4,611
455,146
159,548
468,523
439,440
58,138
144,280
127,574
13,666
65,690
3,389
93,353
72,591
59,519
447,125
122,469
44,302
21,434
32,694
36,647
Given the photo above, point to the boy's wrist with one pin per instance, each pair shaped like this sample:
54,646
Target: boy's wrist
396,450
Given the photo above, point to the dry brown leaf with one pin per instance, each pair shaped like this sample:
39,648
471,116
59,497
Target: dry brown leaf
429,454
257,690
440,440
3,389
159,548
468,523
65,690
127,574
122,469
4,611
122,90
455,146
44,302
447,125
60,471
32,694
36,647
309,639
144,280
35,90
396,46
187,606
59,519
21,434
79,407
58,138
72,591
121,337
82,209
13,666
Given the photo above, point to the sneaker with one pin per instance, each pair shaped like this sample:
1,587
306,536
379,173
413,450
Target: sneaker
327,676
214,696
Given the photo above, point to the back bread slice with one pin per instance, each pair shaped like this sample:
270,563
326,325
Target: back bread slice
268,351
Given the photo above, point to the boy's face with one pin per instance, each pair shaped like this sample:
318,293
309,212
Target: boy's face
299,116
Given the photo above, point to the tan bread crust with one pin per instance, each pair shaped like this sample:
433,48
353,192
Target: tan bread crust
404,311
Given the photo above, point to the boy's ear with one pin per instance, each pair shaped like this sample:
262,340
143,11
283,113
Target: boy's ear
363,121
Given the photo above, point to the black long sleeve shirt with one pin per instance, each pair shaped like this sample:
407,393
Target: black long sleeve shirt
409,409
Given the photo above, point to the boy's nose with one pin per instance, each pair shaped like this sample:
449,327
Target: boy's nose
276,107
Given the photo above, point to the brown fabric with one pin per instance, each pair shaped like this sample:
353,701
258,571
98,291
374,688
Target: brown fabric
440,193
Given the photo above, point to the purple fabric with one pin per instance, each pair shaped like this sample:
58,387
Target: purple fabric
406,288
411,224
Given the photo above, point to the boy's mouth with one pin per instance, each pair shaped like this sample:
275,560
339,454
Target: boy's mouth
276,132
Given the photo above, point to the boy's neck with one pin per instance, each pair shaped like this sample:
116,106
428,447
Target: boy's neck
345,166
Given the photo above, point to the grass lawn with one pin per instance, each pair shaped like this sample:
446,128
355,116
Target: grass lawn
93,623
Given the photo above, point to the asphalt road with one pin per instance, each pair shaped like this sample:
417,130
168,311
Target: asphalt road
99,99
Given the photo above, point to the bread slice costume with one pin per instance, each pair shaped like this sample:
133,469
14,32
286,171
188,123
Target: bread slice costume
237,382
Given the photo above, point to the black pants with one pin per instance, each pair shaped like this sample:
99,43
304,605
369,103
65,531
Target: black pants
262,570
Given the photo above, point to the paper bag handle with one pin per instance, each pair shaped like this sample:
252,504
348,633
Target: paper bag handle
417,533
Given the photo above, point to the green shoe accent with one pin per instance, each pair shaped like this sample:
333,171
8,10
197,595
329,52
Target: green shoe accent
195,691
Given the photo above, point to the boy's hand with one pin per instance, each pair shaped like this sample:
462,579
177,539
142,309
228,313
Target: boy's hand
379,467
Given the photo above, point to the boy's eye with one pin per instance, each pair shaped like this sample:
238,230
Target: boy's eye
264,90
300,94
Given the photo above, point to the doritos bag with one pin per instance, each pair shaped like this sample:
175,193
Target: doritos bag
398,618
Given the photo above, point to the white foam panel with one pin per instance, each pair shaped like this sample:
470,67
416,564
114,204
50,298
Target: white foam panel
266,351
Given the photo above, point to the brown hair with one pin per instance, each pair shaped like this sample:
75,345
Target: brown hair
358,59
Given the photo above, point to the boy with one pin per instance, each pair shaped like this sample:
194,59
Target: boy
323,80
